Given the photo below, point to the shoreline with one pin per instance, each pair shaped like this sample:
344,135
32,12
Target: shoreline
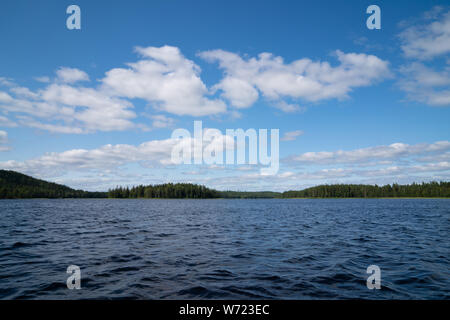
330,198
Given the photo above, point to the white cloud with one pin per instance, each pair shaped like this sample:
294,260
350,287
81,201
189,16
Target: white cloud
71,75
430,39
392,151
235,114
164,78
5,122
43,79
404,170
292,135
424,84
24,92
66,109
288,107
109,165
304,78
107,156
296,180
167,80
6,82
99,111
3,136
3,141
161,121
148,154
29,122
427,40
5,97
241,93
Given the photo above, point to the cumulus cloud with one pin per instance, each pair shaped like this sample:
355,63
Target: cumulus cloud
292,135
99,111
163,77
392,151
429,39
107,157
71,75
167,80
24,92
66,109
425,84
310,80
426,79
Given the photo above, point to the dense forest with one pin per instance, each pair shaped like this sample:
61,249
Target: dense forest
15,185
167,190
249,194
425,190
185,190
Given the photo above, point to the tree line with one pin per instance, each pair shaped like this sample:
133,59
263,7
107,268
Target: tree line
415,190
167,190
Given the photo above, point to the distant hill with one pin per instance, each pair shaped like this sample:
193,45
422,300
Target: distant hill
15,185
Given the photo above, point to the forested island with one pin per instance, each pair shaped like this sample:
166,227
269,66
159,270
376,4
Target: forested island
15,185
167,190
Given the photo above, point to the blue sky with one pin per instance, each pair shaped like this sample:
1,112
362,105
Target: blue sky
352,104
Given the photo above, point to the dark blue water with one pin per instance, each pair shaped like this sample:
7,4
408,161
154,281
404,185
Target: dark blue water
225,249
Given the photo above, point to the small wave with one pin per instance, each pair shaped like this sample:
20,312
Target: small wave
243,292
196,291
338,277
164,235
242,256
300,259
200,292
273,278
125,269
221,273
20,245
123,258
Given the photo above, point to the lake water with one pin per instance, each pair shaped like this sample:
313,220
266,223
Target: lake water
225,249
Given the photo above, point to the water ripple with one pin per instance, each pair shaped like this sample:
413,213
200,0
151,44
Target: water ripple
225,249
